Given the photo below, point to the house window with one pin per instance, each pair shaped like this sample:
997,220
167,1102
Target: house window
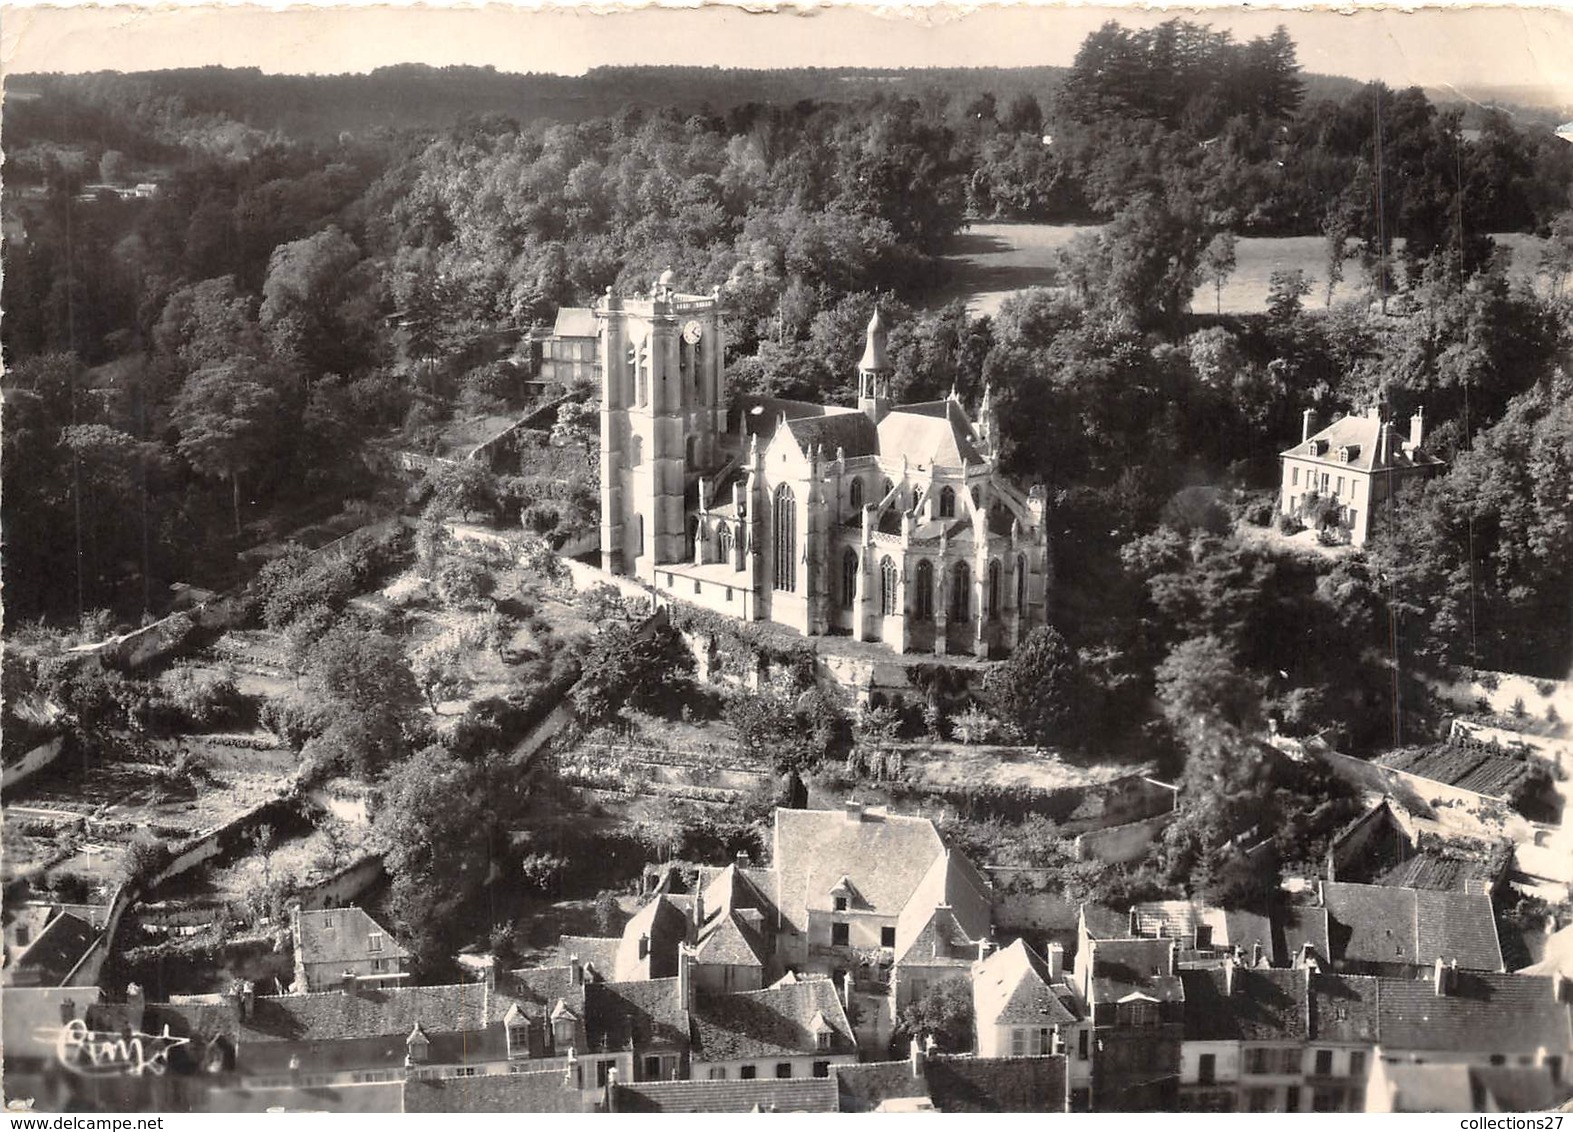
786,539
841,904
746,1073
378,965
1018,1042
718,1073
21,935
947,503
960,596
652,1069
696,585
1290,1060
1260,1100
327,919
1327,1100
374,941
1294,478
849,578
1207,1069
1351,518
783,1070
925,596
1081,1045
724,542
887,937
1357,1063
1256,1062
1339,490
822,1040
1292,1099
821,1069
1324,1063
855,495
1138,1014
1325,477
889,596
839,935
518,1041
467,1071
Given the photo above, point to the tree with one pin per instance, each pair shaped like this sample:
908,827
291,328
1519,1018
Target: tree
944,1012
1218,263
625,667
226,419
1285,289
365,670
1039,689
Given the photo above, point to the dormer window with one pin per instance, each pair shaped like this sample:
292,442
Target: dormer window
1315,447
519,1040
374,941
822,1041
841,903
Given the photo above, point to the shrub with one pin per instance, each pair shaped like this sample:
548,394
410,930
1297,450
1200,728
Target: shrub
1260,513
1289,525
1546,688
464,582
145,857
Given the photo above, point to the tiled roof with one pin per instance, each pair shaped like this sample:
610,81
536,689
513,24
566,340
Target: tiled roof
575,322
777,1022
796,1094
851,431
600,952
1360,434
1487,1013
386,1096
648,1012
546,1091
727,941
1434,871
1103,922
931,433
1265,1005
1372,923
1297,925
1344,1009
1125,966
1011,987
951,883
770,411
340,935
885,855
958,1084
666,925
54,954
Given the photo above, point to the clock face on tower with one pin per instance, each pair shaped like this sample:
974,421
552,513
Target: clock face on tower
693,332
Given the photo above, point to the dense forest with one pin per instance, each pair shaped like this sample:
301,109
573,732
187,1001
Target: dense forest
187,365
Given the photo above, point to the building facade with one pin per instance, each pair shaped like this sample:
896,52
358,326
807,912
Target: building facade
881,522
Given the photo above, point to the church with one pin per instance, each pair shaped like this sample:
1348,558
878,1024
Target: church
880,522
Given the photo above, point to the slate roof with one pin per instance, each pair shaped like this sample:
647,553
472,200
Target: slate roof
1371,923
1121,967
771,409
1181,919
547,1091
1266,1005
1344,1009
340,935
666,924
54,954
1490,1013
930,433
727,936
1103,922
776,1022
599,952
730,942
957,1084
796,1094
885,855
1362,432
1297,925
646,1013
575,322
1473,1088
949,910
849,430
1011,987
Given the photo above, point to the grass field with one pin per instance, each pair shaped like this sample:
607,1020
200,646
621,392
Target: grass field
990,261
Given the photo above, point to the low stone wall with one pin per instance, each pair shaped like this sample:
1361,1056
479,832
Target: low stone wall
1120,844
37,759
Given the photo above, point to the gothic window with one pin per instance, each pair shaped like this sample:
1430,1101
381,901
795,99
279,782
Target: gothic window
849,578
889,588
947,504
977,497
786,539
724,541
885,489
994,589
917,498
1021,583
960,587
925,595
691,449
855,495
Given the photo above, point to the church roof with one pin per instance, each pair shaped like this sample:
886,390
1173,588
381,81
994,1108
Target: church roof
930,433
874,345
851,432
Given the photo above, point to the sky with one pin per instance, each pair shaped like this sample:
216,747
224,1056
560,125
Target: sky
1469,48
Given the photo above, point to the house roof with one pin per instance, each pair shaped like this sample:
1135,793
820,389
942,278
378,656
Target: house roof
343,935
1370,923
1344,1009
1011,987
1297,925
850,431
1493,1013
1472,1088
777,1022
1103,922
599,952
885,855
931,433
765,1094
666,925
1360,435
645,1013
1121,967
727,940
575,322
55,953
383,1096
949,909
957,1084
547,1091
1265,1005
1181,919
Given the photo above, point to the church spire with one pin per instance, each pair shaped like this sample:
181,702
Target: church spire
874,372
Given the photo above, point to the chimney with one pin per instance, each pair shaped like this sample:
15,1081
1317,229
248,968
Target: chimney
489,974
846,990
644,946
136,1006
575,972
1559,987
1256,954
699,913
1055,953
742,859
1442,978
915,1055
348,982
1230,966
854,810
67,1011
1307,424
685,981
248,999
611,1088
1417,428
